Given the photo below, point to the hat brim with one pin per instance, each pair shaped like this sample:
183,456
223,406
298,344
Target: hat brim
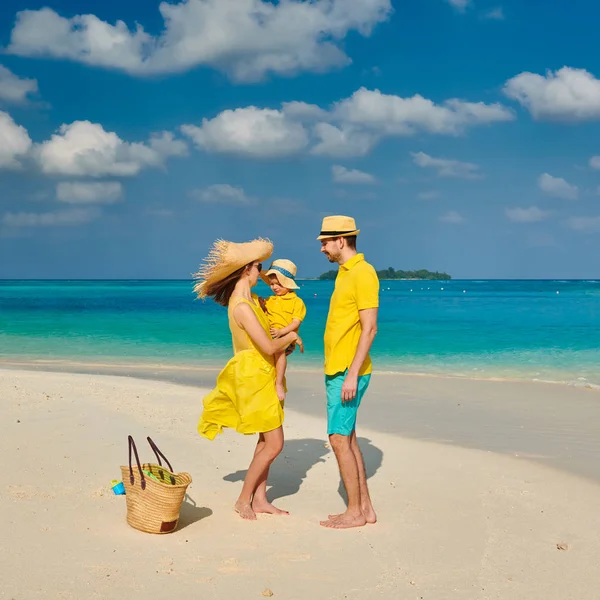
226,258
330,236
286,282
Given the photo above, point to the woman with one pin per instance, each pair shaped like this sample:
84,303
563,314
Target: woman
245,397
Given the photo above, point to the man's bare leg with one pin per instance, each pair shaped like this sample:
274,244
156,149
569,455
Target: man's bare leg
264,455
353,517
365,497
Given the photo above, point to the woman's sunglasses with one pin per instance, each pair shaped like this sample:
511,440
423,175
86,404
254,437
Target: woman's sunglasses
259,267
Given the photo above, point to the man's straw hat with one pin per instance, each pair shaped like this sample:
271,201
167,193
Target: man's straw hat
338,226
285,271
226,258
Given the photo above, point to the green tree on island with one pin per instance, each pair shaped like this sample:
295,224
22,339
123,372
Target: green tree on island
391,273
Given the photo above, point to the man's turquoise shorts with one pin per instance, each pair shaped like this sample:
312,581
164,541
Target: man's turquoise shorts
341,416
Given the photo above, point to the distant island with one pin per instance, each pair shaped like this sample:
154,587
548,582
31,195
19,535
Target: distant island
391,273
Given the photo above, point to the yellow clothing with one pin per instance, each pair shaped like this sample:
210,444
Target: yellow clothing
356,289
282,310
244,398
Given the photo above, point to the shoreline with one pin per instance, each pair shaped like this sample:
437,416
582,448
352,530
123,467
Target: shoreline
75,366
554,425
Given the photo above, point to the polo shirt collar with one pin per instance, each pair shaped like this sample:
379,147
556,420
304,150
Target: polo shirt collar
288,296
353,262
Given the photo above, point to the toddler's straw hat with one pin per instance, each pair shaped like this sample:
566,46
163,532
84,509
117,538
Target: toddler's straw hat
338,226
285,270
226,258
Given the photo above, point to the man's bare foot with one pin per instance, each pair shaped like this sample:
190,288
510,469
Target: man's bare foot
345,521
267,508
245,511
367,511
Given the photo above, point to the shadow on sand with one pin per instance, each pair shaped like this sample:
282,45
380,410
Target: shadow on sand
298,457
191,513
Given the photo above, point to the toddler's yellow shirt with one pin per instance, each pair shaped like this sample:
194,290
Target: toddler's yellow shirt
282,310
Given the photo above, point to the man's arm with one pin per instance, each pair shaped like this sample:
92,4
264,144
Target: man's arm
368,323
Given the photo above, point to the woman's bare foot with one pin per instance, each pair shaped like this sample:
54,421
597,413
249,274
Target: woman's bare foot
267,508
345,521
245,510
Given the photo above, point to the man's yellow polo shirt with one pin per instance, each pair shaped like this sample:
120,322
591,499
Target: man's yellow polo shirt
282,310
356,289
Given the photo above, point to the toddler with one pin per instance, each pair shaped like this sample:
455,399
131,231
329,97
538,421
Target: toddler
285,310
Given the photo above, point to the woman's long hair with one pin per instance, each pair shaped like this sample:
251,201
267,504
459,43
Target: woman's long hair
221,291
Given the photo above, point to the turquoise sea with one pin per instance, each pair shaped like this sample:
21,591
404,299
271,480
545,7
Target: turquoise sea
543,330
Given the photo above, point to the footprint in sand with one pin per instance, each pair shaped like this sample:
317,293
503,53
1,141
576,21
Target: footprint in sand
28,492
294,557
230,566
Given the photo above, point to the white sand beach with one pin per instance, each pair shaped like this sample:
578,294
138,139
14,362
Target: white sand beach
454,522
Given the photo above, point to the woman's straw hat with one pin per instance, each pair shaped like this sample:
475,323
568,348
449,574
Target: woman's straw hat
226,258
285,271
338,226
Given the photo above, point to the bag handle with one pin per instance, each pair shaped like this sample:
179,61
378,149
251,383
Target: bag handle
137,458
159,454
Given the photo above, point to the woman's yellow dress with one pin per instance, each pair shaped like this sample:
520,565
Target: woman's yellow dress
244,398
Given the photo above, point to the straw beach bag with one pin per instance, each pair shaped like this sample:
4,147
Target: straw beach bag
153,494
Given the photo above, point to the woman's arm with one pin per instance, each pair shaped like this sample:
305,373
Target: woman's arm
246,319
293,326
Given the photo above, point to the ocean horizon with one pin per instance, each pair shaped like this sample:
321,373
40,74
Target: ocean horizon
534,329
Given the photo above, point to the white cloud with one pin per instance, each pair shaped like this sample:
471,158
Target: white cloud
595,162
446,167
532,214
460,5
165,145
342,141
15,142
496,14
86,149
249,131
452,217
584,224
13,88
429,195
565,95
221,193
302,110
351,176
79,192
245,38
66,218
558,187
388,114
351,127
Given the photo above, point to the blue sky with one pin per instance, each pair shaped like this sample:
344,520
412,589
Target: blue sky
462,135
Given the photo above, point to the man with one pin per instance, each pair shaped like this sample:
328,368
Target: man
349,333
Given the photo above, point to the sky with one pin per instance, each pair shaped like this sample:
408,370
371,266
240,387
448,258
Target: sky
462,135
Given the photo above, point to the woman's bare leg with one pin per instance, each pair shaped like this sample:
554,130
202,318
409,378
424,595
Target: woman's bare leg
252,499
